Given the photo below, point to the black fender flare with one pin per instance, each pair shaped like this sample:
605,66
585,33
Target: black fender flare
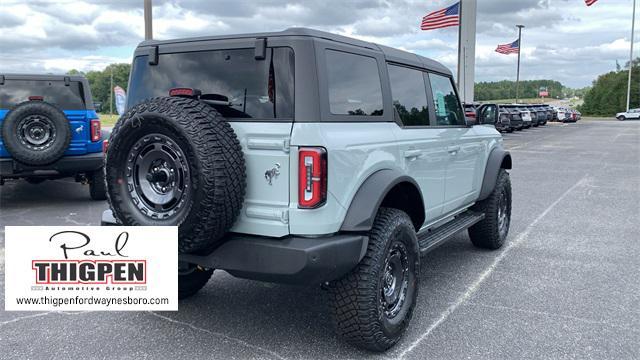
367,200
498,158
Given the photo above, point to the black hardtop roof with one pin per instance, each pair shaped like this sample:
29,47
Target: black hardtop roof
45,77
392,54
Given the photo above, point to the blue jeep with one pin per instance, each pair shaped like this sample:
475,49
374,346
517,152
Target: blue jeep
49,130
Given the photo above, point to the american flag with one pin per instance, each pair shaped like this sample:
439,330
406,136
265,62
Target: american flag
449,16
590,2
511,48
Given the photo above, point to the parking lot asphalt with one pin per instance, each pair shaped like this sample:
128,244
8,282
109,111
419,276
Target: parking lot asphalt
566,284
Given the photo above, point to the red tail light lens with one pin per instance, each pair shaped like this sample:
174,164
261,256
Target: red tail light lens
312,177
105,146
188,92
95,130
36,98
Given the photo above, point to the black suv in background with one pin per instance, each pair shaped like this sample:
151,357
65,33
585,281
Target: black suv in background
516,119
543,115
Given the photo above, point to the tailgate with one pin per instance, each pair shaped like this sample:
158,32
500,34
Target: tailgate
266,153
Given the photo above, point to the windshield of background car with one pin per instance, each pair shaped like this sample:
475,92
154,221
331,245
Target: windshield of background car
55,92
256,89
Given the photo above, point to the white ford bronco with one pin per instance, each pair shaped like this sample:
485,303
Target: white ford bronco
310,158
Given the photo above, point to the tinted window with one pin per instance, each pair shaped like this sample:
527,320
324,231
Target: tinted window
447,106
56,92
409,95
354,84
260,89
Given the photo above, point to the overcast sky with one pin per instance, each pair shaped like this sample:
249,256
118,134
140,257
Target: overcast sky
563,39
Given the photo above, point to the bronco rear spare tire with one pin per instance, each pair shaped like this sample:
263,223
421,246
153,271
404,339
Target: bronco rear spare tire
36,133
176,161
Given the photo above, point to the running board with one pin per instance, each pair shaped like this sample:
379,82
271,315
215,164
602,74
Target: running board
431,238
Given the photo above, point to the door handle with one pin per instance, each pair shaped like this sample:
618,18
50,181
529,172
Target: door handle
412,154
453,149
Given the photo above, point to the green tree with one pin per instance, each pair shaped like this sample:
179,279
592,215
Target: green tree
608,95
100,83
506,89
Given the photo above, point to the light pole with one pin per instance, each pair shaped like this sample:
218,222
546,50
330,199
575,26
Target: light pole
519,50
148,32
111,93
633,23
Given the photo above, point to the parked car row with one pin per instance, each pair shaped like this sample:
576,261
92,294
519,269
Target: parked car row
515,117
563,114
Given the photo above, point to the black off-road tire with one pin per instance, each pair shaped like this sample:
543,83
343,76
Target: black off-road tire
356,307
488,233
621,118
97,185
190,283
29,153
212,165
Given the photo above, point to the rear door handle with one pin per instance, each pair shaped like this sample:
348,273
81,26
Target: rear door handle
453,149
412,154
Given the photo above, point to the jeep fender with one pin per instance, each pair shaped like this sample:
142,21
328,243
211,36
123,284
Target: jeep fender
367,200
498,158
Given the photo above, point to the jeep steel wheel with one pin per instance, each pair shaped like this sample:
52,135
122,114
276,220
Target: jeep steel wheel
176,161
373,304
491,232
36,133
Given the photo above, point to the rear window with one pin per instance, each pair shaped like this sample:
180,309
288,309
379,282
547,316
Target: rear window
354,84
256,89
70,97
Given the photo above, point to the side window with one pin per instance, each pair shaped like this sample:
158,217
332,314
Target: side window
354,84
445,100
409,95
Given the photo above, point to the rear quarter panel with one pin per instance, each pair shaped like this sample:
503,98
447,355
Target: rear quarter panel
355,151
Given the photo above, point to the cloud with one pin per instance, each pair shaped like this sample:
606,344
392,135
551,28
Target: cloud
562,40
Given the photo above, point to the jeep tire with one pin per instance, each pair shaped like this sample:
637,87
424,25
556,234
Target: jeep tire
97,185
36,133
176,161
191,280
491,232
373,304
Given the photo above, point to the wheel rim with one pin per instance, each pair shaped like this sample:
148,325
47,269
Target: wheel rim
503,214
36,132
158,176
395,280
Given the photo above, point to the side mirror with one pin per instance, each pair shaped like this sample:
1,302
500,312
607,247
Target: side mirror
487,114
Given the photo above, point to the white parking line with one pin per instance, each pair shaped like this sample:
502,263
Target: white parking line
485,274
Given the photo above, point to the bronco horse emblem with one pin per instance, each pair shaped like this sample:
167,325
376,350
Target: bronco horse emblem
272,173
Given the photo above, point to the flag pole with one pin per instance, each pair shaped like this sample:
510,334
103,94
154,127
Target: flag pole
519,50
460,54
633,23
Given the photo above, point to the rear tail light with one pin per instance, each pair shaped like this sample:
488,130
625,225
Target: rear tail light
36,98
186,92
105,146
95,130
312,177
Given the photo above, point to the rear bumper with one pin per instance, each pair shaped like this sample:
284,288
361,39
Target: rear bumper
293,260
67,165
